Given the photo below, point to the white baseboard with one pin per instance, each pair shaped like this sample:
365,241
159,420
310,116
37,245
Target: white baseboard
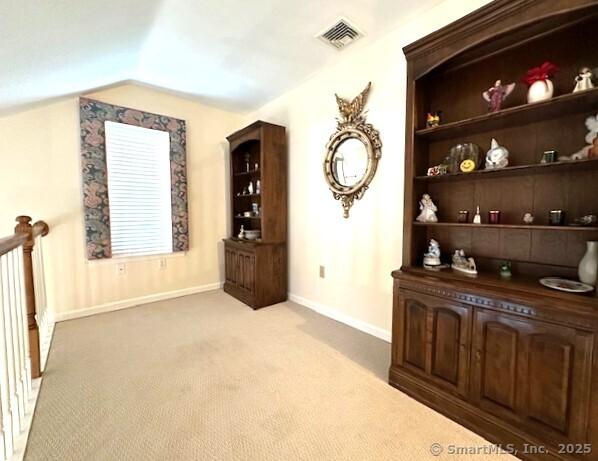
132,302
335,314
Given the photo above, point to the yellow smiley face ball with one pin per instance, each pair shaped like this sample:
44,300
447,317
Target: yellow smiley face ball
467,166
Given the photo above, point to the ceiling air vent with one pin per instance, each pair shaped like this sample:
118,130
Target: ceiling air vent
341,34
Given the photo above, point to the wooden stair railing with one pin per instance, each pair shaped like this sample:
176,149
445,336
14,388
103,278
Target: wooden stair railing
40,228
19,331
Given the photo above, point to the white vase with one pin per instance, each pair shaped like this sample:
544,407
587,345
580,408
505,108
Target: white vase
540,90
588,266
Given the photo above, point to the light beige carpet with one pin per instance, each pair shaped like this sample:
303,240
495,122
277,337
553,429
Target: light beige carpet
206,378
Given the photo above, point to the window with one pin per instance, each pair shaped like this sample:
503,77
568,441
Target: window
139,189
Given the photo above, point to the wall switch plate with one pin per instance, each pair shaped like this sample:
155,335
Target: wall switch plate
122,269
322,272
162,264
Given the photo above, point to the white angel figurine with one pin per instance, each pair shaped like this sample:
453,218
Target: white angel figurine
428,210
589,149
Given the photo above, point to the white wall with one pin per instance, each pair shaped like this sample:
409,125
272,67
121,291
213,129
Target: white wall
360,252
41,176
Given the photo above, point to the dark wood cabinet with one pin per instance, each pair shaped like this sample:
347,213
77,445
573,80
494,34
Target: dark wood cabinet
516,365
508,358
255,270
436,339
533,373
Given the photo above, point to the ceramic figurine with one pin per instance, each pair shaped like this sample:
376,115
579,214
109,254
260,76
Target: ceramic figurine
477,219
437,170
497,157
587,220
247,159
540,85
528,218
463,264
258,186
433,119
591,150
504,269
245,191
257,166
250,188
496,95
584,80
432,257
241,233
589,264
428,210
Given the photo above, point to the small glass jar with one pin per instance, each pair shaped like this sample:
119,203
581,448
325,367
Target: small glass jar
463,216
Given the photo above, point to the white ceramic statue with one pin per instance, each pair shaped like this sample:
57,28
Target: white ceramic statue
463,264
428,210
497,156
589,151
584,80
242,233
432,257
528,218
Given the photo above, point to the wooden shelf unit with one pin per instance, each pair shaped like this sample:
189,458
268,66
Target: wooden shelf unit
516,170
556,107
508,358
256,270
508,226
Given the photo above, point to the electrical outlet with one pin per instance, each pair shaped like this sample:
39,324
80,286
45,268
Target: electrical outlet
162,264
122,269
322,272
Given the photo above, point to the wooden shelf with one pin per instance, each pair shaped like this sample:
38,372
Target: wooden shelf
558,106
508,226
247,217
555,167
247,173
247,195
517,283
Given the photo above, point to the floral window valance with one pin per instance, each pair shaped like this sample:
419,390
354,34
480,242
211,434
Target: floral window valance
96,202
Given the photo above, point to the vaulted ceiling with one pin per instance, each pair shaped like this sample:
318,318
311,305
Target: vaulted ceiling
234,54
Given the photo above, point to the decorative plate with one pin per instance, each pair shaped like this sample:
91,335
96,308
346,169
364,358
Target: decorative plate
570,286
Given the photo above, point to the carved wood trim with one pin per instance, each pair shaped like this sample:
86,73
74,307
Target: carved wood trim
497,304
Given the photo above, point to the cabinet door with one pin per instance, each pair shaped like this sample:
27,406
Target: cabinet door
230,265
449,346
435,339
533,373
246,277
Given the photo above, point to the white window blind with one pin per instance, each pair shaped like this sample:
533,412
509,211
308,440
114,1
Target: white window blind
138,161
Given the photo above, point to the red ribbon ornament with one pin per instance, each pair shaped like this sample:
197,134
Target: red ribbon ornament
544,72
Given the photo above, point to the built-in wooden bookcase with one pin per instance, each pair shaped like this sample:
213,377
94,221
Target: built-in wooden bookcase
256,271
526,130
508,358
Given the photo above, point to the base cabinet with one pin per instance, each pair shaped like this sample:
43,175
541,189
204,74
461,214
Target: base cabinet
533,374
436,340
255,273
514,373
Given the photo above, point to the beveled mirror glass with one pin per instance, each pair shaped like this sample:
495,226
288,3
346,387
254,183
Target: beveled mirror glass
352,153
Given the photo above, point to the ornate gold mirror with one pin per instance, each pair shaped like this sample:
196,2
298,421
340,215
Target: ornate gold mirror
352,153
